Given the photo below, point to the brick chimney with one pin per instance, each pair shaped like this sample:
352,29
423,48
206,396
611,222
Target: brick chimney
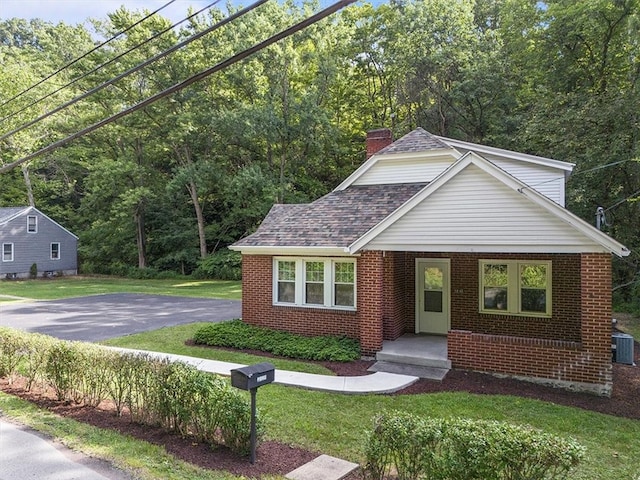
377,140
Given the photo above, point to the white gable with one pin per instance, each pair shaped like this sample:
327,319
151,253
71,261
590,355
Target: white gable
407,168
413,165
476,207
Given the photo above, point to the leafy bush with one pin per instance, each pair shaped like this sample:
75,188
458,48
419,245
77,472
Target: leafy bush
175,396
12,351
459,449
237,334
224,264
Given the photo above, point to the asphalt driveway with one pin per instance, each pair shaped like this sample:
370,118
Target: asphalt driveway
98,317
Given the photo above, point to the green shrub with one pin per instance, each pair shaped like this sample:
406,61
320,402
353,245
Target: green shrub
459,449
224,264
175,396
237,334
33,271
12,351
62,369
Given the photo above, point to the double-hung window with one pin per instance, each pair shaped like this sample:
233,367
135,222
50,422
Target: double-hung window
7,252
286,282
55,251
515,287
315,282
32,224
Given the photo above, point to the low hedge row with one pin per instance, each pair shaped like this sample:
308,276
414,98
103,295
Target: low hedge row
237,334
172,395
458,449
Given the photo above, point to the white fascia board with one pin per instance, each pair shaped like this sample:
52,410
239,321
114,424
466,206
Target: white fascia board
292,250
425,155
563,214
500,152
490,248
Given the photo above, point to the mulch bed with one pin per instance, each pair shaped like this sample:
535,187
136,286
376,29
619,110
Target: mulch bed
279,458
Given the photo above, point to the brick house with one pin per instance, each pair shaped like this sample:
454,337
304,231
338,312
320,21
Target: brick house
437,236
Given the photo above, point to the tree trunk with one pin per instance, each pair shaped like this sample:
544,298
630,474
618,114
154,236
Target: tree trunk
141,238
184,158
27,182
193,192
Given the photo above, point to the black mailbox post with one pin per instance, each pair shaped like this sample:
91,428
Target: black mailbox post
250,378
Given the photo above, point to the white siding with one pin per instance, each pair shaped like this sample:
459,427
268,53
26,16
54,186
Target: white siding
546,180
406,170
476,212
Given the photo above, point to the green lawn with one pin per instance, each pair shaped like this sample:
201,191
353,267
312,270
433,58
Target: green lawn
324,422
51,289
172,340
335,424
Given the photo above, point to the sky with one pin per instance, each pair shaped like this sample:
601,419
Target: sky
78,11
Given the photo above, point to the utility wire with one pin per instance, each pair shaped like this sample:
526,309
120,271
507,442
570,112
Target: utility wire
195,78
124,74
93,71
634,194
84,55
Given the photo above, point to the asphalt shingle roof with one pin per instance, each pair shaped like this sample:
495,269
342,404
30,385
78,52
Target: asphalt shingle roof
335,220
7,213
418,140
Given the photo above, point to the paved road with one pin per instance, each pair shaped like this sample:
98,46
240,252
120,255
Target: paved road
98,317
26,455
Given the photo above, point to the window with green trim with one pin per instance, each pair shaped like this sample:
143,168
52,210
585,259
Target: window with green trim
515,287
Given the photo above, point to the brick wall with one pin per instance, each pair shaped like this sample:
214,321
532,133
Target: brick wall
396,284
465,290
584,364
364,324
573,347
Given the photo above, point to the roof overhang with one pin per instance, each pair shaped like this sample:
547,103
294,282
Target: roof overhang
602,242
500,152
292,250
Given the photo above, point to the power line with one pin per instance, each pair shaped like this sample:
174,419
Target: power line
84,55
195,78
634,194
119,77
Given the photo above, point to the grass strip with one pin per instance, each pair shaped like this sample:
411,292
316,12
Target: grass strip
139,458
67,287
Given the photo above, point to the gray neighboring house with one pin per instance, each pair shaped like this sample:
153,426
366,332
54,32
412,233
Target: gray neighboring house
28,236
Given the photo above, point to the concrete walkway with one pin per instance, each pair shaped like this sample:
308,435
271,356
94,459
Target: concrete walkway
378,382
50,461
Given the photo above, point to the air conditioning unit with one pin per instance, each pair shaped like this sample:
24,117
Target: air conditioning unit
622,348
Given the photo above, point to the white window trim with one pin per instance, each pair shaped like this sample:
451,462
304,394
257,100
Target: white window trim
51,251
12,252
35,218
514,307
329,282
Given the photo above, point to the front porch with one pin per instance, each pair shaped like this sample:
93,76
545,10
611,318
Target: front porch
420,355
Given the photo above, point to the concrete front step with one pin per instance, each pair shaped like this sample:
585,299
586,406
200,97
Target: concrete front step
431,373
413,360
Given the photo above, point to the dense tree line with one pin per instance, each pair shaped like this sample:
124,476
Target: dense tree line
181,179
